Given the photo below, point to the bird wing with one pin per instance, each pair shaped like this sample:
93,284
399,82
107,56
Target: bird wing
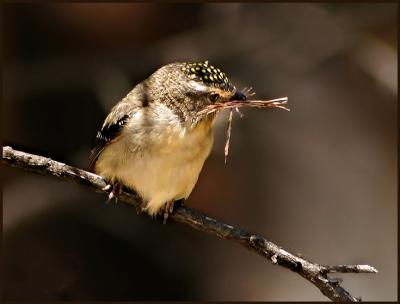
108,133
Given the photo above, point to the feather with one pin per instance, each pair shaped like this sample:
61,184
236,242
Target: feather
108,133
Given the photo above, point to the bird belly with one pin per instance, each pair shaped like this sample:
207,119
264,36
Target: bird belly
162,172
164,177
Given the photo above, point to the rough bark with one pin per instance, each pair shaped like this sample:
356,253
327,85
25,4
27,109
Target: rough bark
315,273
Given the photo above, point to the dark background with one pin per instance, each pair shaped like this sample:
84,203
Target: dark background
319,180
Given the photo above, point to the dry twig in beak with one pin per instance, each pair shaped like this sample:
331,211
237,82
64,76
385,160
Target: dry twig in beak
216,107
228,135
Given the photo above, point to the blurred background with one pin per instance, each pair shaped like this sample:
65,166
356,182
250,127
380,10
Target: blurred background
320,180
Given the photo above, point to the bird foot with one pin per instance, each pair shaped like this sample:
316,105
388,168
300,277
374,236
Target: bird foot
169,208
116,190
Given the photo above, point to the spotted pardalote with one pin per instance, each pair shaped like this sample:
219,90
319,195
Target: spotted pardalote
154,141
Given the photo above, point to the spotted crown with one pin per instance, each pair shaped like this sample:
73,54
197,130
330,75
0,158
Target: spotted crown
207,73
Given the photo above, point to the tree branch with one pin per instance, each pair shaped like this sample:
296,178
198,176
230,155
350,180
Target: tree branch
315,273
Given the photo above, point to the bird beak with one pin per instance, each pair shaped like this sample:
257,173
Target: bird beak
238,96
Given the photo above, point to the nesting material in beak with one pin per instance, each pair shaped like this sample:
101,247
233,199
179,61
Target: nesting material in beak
240,100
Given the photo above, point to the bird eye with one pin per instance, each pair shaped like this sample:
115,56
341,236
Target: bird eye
214,97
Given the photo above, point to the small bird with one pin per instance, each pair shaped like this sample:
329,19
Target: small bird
154,141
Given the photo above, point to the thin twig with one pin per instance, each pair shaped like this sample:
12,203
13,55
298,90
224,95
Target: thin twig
218,106
228,135
279,103
315,273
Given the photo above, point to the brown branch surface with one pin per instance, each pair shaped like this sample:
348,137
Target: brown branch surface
315,273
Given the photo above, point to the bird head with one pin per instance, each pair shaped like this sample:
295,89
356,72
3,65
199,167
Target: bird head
188,87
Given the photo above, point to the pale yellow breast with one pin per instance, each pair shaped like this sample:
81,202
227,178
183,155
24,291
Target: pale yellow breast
166,168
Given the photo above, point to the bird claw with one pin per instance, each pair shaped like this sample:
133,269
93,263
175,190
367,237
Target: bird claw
107,187
169,208
116,190
110,197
